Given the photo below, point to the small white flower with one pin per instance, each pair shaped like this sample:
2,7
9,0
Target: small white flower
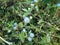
15,28
15,24
31,35
24,30
35,0
31,17
9,31
58,4
29,39
26,20
28,8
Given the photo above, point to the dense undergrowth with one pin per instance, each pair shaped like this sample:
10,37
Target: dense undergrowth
29,22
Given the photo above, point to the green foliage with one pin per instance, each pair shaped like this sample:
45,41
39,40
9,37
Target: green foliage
44,16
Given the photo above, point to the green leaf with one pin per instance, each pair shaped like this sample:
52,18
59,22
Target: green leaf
22,37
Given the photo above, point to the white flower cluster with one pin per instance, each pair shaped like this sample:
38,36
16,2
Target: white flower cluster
15,26
31,35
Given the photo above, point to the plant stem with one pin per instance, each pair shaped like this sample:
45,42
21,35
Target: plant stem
9,43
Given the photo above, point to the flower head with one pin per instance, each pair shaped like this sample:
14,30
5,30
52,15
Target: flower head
29,39
35,0
24,30
15,24
31,17
26,20
58,4
14,28
31,35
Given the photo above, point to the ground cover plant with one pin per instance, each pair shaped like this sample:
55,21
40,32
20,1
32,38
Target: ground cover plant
29,22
